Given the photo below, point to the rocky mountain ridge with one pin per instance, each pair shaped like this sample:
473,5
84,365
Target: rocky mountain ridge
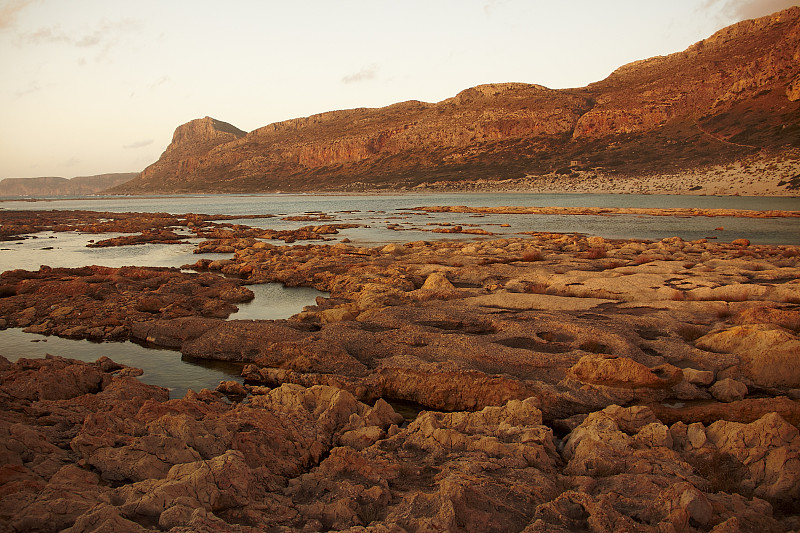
57,186
727,97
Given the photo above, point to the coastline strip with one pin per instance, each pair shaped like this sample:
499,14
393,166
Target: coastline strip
671,211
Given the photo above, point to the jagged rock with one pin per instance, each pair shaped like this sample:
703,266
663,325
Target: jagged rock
315,458
104,518
214,485
308,454
758,459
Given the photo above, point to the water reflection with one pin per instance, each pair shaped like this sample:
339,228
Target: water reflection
161,367
273,301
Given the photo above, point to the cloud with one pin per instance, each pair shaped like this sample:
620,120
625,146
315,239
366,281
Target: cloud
33,86
104,36
160,81
46,35
365,74
8,13
139,144
492,5
106,33
748,9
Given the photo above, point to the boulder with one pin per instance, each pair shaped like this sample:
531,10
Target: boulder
728,390
437,282
698,377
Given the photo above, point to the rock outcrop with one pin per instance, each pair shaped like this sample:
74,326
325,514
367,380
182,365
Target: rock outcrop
724,98
114,454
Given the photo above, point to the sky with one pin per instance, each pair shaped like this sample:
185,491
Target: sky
97,86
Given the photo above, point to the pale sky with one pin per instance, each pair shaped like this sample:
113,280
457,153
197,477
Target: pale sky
95,86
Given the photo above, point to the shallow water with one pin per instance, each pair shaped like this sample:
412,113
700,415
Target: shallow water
68,250
161,367
379,211
273,301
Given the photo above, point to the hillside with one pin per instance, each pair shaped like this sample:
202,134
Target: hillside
731,96
55,186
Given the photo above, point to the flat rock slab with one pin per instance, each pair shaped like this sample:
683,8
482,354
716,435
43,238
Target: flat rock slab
522,301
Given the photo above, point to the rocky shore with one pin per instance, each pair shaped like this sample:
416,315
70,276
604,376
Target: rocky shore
565,383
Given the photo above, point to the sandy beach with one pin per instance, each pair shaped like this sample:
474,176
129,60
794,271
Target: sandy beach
758,175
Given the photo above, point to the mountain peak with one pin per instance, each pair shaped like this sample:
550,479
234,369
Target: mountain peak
204,131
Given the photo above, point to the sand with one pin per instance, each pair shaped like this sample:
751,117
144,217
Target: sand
757,175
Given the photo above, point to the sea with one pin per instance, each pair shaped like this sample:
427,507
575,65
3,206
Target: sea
382,219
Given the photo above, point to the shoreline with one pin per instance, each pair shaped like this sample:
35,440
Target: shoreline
610,211
760,175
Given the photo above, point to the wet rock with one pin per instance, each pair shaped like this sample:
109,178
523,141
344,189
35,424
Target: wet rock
104,303
53,379
232,387
172,333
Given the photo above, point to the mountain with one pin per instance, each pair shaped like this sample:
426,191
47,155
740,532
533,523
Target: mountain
727,97
54,186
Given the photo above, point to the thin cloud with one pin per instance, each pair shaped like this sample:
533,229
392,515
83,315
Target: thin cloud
9,12
46,36
160,81
105,35
492,5
365,74
749,9
139,144
33,87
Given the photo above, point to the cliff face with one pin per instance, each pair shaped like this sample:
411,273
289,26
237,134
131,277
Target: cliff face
55,186
728,96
